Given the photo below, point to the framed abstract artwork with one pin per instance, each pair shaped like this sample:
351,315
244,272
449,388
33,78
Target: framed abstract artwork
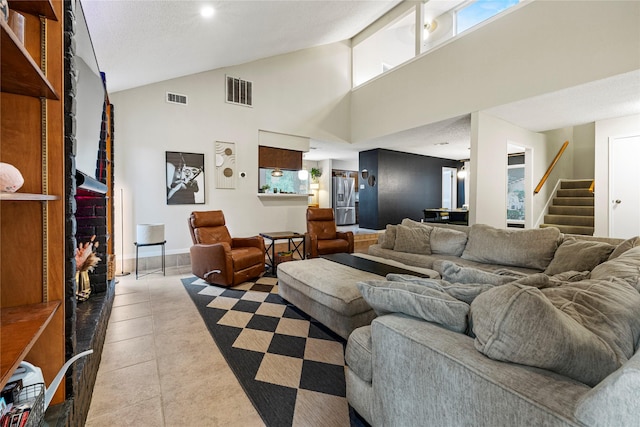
226,169
185,178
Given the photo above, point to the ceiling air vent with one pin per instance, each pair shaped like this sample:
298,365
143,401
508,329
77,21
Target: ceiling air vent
174,98
239,91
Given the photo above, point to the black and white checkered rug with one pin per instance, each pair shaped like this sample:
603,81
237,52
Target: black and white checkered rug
290,365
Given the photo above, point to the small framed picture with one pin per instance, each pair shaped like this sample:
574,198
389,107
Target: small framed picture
185,178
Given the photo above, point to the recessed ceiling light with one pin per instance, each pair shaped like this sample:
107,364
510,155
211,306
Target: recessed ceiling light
207,11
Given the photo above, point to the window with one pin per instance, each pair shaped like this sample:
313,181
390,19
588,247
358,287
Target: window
385,50
479,11
291,182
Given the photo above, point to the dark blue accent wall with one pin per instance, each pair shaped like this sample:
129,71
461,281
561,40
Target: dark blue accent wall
405,184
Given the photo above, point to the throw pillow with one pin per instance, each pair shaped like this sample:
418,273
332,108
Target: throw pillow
452,272
417,301
625,246
412,240
389,237
578,255
583,330
572,276
522,248
626,266
461,291
447,242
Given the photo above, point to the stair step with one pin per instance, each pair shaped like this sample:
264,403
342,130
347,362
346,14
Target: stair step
571,210
582,183
573,201
574,192
586,221
571,229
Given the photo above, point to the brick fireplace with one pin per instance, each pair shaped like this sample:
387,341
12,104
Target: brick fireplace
88,212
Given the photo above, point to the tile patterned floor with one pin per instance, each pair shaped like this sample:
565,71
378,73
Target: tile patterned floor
160,366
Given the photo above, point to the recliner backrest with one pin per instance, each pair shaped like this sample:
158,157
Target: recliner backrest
208,227
321,223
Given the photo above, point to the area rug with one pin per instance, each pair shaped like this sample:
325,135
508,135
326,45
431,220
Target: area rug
290,366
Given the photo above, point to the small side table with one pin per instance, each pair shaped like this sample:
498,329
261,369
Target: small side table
293,245
139,245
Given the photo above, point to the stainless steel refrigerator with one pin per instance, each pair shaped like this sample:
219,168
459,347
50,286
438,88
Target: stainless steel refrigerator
344,200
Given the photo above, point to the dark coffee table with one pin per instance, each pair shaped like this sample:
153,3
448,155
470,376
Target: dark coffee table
371,266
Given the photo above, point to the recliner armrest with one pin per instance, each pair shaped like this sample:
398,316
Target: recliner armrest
348,236
254,241
207,258
311,244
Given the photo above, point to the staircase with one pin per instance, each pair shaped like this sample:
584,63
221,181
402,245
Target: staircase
572,209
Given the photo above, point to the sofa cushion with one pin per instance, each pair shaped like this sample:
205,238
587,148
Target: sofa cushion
412,240
523,248
625,246
626,266
447,242
578,255
442,240
451,272
417,301
389,240
358,353
465,292
584,330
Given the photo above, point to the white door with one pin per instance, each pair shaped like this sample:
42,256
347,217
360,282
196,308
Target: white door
624,187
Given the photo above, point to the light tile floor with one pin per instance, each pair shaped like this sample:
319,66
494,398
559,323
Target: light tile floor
160,366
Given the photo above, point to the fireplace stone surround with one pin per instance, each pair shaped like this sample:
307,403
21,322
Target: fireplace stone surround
87,213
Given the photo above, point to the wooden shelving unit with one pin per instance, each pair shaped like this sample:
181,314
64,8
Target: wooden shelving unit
32,243
20,328
27,196
20,74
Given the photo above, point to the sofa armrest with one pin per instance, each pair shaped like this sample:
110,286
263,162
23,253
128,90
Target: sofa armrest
613,402
427,375
348,236
212,262
254,241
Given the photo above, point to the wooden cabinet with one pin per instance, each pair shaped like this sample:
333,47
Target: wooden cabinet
269,157
32,243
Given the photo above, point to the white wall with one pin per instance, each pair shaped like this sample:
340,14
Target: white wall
489,139
540,47
304,93
584,151
604,130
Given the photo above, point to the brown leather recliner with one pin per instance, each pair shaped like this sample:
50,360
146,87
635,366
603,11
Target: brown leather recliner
217,257
322,236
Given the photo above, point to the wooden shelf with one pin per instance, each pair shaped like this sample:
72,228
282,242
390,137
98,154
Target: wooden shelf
38,8
20,74
27,196
20,328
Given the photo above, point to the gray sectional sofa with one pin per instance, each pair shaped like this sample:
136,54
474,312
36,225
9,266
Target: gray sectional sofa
526,327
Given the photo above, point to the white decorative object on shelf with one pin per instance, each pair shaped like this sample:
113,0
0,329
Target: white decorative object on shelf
149,233
10,178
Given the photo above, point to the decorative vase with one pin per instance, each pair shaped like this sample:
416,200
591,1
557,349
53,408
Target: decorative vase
83,289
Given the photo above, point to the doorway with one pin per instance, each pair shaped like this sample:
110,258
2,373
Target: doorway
519,188
624,194
449,188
